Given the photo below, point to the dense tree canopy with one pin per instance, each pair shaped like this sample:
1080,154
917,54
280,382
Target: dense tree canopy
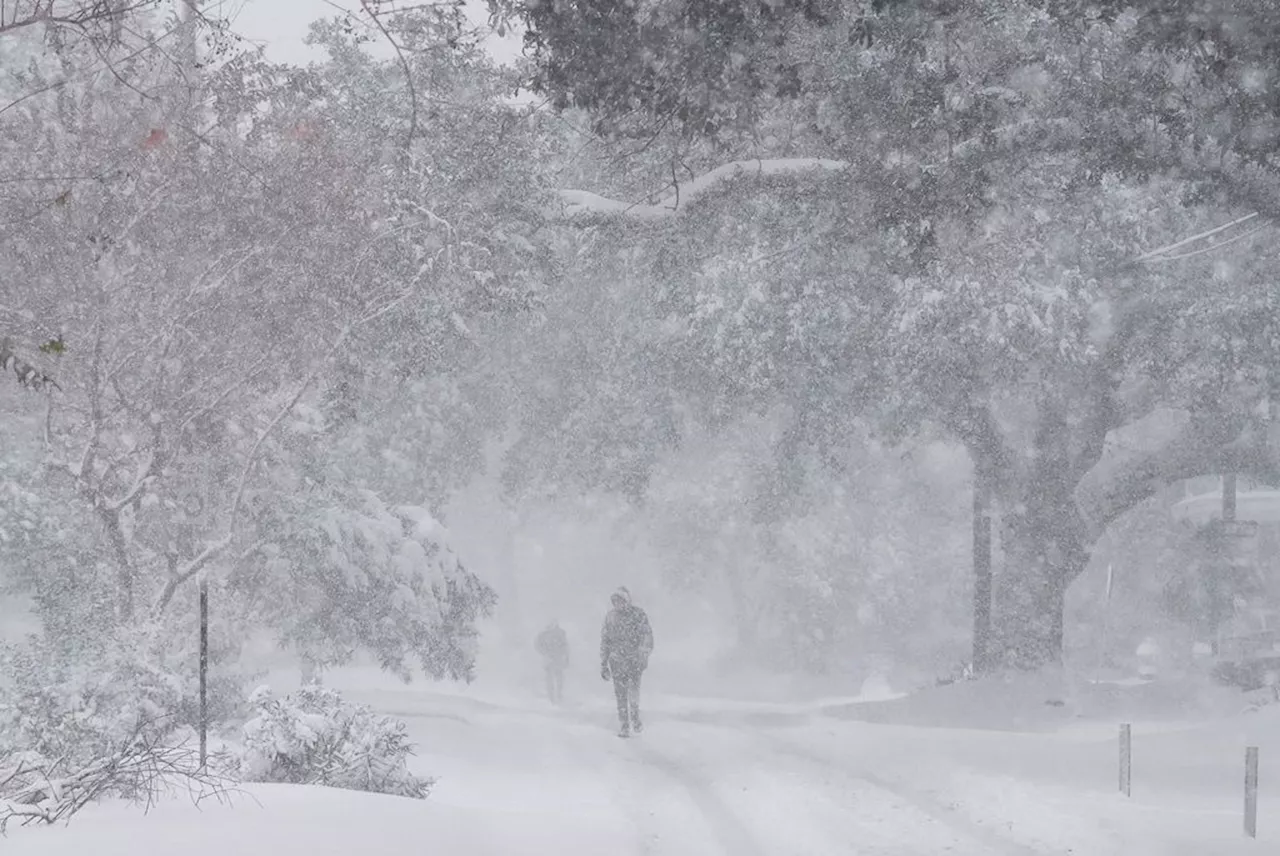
790,278
973,249
223,330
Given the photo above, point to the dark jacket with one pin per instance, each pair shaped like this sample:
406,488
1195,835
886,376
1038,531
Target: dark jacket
553,645
626,640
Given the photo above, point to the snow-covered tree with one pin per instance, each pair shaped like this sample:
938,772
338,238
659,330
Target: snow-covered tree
196,293
340,571
972,247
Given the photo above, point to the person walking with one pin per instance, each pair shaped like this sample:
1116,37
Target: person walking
553,645
626,641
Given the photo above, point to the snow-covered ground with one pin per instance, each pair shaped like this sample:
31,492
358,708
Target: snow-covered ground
517,776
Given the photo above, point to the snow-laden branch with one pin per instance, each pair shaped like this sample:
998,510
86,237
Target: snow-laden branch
583,203
1166,253
213,404
28,375
1053,133
1207,443
147,470
214,549
211,551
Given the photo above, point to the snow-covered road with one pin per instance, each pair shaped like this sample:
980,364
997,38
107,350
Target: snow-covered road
765,781
517,776
684,788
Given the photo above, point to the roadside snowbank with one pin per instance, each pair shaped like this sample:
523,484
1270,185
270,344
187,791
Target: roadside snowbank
275,819
1045,701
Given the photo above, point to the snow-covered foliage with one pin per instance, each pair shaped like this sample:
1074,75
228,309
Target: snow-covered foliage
352,573
272,341
386,270
81,722
315,737
76,703
982,267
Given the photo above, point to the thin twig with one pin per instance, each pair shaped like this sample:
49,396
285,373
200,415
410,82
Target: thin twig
408,72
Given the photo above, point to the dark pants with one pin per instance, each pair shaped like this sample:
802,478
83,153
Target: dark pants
555,682
626,687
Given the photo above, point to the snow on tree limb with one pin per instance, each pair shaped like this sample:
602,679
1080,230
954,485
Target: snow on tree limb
28,375
1166,253
583,203
1207,443
1050,133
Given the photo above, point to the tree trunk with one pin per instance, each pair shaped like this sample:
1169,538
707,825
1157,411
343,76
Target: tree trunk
981,572
1040,564
311,672
1046,543
125,578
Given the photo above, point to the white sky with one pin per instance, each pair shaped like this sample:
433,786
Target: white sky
282,24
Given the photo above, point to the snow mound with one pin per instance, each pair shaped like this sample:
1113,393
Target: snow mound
267,820
1044,701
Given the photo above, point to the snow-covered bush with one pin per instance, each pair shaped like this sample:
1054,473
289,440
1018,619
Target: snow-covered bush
141,766
58,705
315,737
78,723
79,703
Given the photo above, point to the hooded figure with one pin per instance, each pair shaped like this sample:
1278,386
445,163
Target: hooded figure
626,640
553,645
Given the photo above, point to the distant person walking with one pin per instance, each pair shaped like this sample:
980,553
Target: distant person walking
626,640
553,645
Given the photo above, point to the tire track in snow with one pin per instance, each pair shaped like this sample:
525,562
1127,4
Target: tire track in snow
722,825
763,726
992,842
794,809
625,793
734,837
664,805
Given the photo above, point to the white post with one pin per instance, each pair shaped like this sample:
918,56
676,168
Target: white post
1251,791
1126,757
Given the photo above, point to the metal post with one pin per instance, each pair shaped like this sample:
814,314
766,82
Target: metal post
1229,498
1126,760
204,672
187,13
981,573
1251,791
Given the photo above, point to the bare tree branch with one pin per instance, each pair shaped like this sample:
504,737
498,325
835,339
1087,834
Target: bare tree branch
80,16
367,5
146,471
142,766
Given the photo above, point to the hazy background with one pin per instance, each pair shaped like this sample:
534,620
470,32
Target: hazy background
281,25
